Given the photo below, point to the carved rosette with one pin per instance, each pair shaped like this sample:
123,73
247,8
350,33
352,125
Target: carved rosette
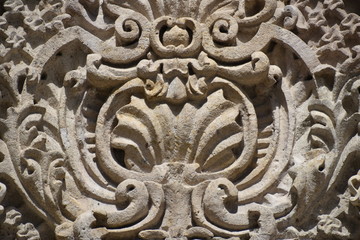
194,119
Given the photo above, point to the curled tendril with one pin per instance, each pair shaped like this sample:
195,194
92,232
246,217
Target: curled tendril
224,28
130,193
127,30
353,184
255,19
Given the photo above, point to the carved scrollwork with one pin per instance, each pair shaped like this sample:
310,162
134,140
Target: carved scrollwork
175,37
224,28
223,216
354,190
192,119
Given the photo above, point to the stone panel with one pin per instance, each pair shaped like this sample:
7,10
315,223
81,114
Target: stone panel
189,119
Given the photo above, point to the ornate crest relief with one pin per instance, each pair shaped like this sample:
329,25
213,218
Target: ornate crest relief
191,119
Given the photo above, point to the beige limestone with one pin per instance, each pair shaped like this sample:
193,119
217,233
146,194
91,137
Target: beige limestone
189,119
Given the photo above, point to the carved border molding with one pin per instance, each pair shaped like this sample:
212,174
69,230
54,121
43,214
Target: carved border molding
192,119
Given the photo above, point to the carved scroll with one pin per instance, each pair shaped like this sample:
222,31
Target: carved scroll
192,119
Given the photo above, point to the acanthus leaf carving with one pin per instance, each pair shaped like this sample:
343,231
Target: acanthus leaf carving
192,119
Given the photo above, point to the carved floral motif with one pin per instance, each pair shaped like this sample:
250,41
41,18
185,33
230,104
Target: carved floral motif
193,119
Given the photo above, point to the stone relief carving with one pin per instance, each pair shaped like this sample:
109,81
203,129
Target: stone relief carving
192,119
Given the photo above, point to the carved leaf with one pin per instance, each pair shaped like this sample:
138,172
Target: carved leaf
198,9
151,137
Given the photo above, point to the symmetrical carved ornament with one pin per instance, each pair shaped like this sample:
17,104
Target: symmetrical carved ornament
191,119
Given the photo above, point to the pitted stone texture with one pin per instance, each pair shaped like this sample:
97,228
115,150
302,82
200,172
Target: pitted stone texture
191,119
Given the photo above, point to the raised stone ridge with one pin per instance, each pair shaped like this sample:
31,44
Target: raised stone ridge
179,119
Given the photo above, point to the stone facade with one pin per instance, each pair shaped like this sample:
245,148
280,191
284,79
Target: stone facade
189,119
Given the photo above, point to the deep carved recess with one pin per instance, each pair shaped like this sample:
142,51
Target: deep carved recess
191,119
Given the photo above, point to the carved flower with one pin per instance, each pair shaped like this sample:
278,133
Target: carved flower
210,136
16,38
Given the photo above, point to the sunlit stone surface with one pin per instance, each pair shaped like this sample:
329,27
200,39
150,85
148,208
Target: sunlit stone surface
179,119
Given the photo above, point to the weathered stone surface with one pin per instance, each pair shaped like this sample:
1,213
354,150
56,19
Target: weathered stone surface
191,119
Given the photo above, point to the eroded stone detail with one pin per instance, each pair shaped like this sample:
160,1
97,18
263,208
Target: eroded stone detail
193,119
